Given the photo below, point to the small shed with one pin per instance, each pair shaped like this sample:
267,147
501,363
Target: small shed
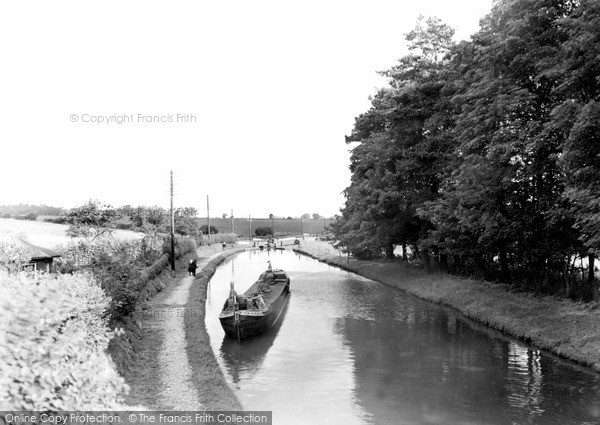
41,259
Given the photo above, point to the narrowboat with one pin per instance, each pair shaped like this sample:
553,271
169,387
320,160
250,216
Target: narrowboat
259,308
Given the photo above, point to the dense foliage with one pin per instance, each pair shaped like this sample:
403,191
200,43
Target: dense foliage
483,157
13,256
26,209
263,231
120,267
54,357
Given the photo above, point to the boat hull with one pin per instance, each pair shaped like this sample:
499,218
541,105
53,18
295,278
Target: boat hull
250,323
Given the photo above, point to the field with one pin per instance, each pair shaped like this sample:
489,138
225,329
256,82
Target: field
282,227
53,236
48,235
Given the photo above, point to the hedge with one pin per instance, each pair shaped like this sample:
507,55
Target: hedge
53,355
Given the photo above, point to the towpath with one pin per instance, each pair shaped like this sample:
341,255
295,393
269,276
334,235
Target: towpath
165,380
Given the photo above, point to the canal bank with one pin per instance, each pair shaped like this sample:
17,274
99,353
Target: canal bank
568,329
174,366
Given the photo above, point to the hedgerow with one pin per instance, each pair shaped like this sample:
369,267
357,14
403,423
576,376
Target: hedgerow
54,357
228,238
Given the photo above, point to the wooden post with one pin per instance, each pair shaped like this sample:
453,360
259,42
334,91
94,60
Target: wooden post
208,218
250,234
232,225
172,227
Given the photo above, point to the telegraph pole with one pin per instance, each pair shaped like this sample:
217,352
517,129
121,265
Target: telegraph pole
172,227
273,227
250,220
208,217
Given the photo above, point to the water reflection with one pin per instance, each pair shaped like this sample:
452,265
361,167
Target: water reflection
353,351
247,355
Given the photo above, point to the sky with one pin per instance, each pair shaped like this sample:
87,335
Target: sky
247,102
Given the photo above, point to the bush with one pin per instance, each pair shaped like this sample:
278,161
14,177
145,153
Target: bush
228,238
57,220
29,217
54,356
124,226
13,256
6,215
117,266
204,230
263,231
183,245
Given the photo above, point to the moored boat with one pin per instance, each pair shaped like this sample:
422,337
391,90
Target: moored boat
259,308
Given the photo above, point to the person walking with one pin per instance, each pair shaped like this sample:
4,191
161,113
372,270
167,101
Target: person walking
192,267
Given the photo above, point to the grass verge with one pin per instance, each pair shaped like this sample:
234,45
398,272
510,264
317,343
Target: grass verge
210,383
563,327
136,351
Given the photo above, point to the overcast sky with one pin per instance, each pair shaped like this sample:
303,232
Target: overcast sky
265,92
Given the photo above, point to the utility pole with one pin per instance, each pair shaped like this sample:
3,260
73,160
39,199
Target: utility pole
232,225
172,227
250,234
208,218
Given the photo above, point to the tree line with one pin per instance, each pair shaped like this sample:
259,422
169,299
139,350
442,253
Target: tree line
483,157
94,219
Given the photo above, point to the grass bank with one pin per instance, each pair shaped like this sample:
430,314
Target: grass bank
143,373
566,328
213,390
135,350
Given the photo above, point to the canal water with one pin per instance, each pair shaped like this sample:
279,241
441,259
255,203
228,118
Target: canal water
353,351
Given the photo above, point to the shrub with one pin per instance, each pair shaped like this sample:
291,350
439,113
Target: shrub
54,356
263,231
57,220
204,230
228,238
13,256
183,245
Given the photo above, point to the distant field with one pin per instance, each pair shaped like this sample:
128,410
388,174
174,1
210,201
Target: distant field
48,235
281,226
51,235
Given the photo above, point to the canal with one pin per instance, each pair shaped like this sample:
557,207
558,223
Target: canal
353,351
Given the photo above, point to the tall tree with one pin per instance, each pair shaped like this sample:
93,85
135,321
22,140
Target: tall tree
578,118
395,166
505,191
92,220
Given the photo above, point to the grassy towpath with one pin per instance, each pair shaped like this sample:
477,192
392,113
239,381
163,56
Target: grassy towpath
563,327
165,376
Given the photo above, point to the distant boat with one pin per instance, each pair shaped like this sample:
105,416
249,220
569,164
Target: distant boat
259,308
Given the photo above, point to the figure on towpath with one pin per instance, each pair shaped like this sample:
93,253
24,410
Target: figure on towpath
192,267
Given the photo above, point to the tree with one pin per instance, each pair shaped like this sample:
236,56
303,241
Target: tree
317,216
263,231
186,223
13,256
92,220
305,216
577,118
396,166
204,229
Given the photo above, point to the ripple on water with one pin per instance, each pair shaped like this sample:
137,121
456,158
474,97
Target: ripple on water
352,351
